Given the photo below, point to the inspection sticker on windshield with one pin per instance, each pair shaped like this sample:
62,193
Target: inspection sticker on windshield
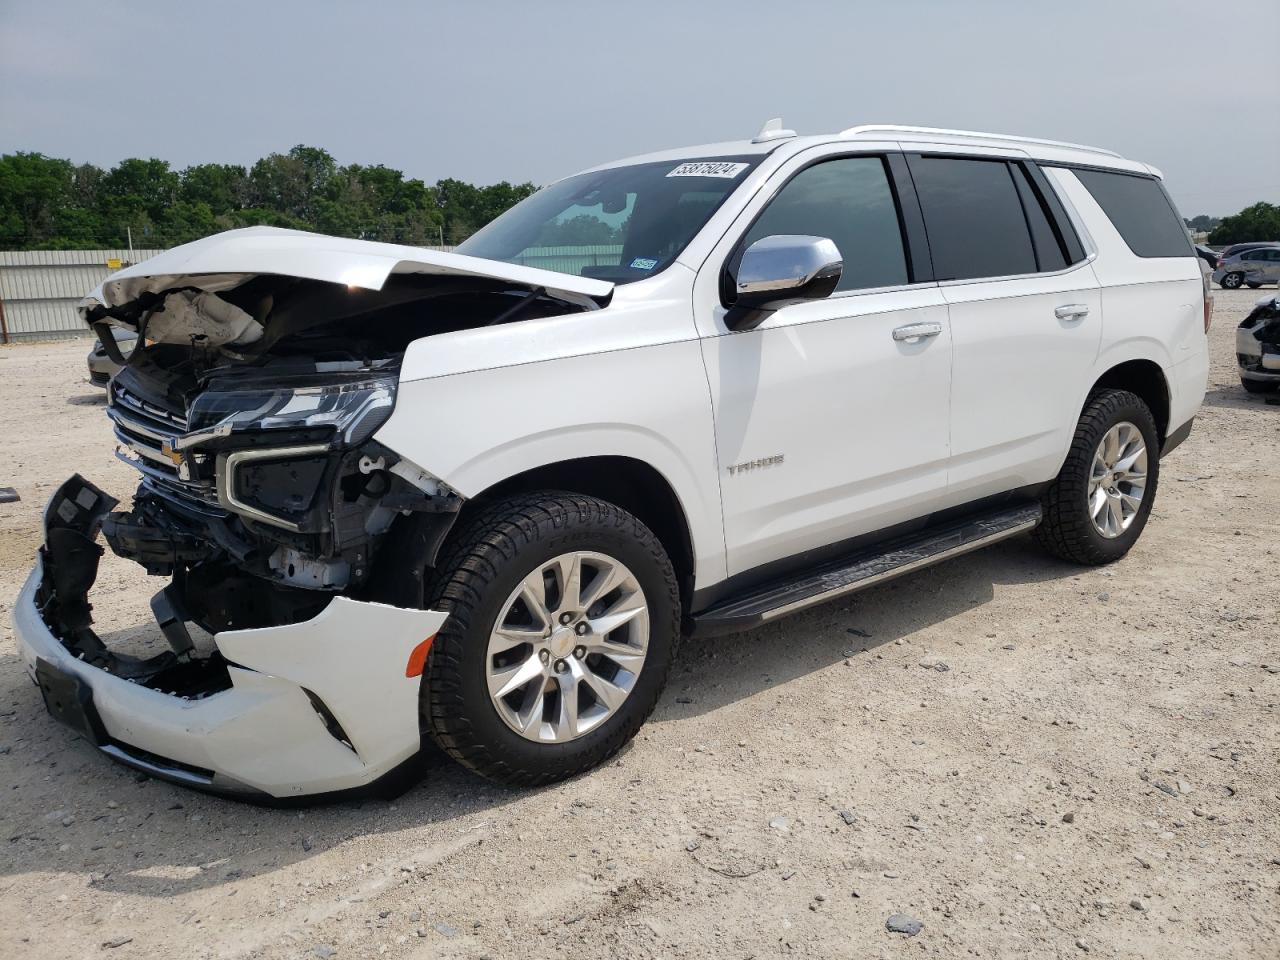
708,168
644,263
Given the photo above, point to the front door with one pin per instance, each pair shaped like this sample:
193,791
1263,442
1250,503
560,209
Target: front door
831,417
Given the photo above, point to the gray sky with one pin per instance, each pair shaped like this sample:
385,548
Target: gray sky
500,89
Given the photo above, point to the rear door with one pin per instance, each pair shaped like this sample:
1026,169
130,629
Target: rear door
830,421
1025,314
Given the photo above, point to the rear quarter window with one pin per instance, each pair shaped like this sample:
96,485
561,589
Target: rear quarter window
1141,211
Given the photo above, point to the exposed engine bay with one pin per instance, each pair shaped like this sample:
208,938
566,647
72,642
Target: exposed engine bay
249,409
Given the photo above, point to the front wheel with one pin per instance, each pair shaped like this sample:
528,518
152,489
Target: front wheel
564,618
1231,281
1252,285
1095,509
1260,386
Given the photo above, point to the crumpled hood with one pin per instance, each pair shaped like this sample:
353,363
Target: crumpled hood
225,260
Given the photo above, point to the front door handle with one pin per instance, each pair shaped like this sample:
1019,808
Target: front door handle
915,332
1071,311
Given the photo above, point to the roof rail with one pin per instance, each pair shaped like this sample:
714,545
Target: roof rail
942,131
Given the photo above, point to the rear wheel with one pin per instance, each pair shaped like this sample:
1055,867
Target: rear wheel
1096,508
563,621
1231,281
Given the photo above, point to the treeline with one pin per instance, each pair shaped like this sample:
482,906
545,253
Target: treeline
1258,222
47,203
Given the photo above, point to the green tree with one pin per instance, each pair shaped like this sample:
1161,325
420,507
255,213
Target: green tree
1258,222
33,188
47,202
291,182
140,186
223,187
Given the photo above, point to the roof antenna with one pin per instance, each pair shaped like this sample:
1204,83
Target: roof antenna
772,130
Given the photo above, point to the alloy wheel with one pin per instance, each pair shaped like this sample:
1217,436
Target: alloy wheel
1117,480
567,647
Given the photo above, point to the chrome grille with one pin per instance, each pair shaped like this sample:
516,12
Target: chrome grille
141,429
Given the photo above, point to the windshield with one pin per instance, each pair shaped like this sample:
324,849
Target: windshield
620,224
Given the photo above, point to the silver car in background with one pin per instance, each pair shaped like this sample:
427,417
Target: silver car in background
1251,268
101,366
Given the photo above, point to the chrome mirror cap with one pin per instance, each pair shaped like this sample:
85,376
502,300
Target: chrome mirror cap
782,269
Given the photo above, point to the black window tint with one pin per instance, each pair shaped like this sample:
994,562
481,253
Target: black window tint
850,202
974,218
1049,255
1141,211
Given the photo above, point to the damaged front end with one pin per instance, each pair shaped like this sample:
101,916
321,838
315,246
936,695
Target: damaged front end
1258,343
284,527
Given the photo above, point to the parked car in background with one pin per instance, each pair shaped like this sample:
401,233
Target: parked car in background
102,367
1258,347
415,494
1207,255
1237,248
1252,268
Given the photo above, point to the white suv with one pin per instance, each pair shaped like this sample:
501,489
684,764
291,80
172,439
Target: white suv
479,496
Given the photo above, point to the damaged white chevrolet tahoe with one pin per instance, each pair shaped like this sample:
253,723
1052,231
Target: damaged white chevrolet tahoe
478,497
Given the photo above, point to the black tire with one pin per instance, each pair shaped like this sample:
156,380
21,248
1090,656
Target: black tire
1259,386
1253,286
479,568
1067,530
1231,281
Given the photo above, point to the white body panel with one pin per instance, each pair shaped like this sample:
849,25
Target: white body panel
263,733
497,416
1017,376
834,365
1152,309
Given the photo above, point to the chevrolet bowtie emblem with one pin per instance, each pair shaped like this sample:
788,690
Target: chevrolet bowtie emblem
166,447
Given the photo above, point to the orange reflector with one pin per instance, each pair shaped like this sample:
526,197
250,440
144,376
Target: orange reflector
418,658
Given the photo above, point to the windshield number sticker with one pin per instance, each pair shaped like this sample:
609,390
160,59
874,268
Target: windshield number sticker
708,168
643,263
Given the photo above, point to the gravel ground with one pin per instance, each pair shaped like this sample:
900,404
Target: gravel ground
1014,756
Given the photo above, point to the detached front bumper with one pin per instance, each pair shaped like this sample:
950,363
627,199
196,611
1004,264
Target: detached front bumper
317,707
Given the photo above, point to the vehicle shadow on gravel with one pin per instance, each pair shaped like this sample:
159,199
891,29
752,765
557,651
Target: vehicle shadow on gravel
714,672
55,776
89,400
1234,397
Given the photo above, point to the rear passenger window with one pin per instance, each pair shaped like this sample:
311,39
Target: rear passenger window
1141,211
848,201
974,218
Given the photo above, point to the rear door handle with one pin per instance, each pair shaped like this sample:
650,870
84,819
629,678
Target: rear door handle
1070,311
915,332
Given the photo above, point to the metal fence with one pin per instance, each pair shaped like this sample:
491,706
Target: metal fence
39,289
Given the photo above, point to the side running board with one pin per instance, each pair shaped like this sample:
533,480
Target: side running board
865,568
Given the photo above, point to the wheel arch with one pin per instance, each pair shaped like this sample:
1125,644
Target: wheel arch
634,485
1147,379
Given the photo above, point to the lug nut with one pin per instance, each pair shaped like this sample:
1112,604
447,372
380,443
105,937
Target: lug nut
581,629
565,618
561,666
544,656
579,652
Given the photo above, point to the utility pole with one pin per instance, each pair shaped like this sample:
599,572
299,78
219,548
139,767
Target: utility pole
129,232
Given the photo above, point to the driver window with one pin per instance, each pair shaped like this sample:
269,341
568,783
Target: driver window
848,201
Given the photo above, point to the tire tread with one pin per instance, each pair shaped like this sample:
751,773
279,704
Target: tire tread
466,571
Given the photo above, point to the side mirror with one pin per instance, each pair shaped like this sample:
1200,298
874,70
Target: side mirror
779,270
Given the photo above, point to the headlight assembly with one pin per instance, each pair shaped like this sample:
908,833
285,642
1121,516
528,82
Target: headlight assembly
354,407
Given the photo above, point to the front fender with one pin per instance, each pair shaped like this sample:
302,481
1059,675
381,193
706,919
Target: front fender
474,430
